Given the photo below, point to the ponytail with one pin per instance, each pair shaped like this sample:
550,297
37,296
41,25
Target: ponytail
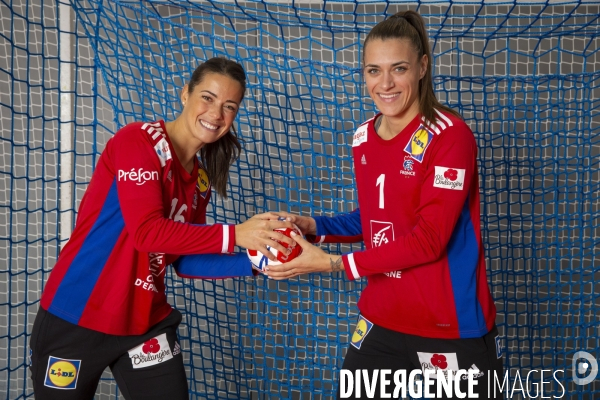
410,25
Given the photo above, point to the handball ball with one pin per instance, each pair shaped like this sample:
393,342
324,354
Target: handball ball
259,260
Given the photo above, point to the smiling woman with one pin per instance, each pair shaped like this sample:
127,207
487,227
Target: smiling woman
104,304
210,103
427,306
392,77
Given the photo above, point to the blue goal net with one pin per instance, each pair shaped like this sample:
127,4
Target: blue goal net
524,75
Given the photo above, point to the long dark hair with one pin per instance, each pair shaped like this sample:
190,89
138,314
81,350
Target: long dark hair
410,25
217,157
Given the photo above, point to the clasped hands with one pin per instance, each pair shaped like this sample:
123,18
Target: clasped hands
258,233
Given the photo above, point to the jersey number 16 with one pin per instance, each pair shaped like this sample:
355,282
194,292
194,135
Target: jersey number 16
179,216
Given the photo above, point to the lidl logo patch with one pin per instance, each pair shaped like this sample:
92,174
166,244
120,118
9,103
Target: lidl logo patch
62,373
360,333
203,182
418,143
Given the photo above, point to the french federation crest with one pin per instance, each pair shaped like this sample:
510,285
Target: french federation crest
408,166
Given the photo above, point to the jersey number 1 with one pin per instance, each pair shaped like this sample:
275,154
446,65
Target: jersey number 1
380,182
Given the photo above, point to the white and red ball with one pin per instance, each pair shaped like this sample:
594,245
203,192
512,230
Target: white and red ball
259,260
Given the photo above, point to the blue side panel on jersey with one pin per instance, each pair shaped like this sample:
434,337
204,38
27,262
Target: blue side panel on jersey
463,257
213,266
76,286
340,225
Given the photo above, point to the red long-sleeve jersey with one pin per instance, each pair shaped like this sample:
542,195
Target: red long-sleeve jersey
140,211
419,209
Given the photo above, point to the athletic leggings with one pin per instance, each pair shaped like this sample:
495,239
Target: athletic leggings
67,360
376,348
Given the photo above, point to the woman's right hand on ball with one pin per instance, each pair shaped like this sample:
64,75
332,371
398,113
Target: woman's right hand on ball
307,225
258,233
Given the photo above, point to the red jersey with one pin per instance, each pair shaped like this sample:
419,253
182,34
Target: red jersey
140,211
419,209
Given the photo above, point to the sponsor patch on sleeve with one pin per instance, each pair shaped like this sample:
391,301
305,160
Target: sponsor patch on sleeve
152,352
163,151
203,182
418,143
360,136
363,326
449,178
62,373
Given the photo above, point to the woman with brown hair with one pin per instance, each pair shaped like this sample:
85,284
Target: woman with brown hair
427,305
104,304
